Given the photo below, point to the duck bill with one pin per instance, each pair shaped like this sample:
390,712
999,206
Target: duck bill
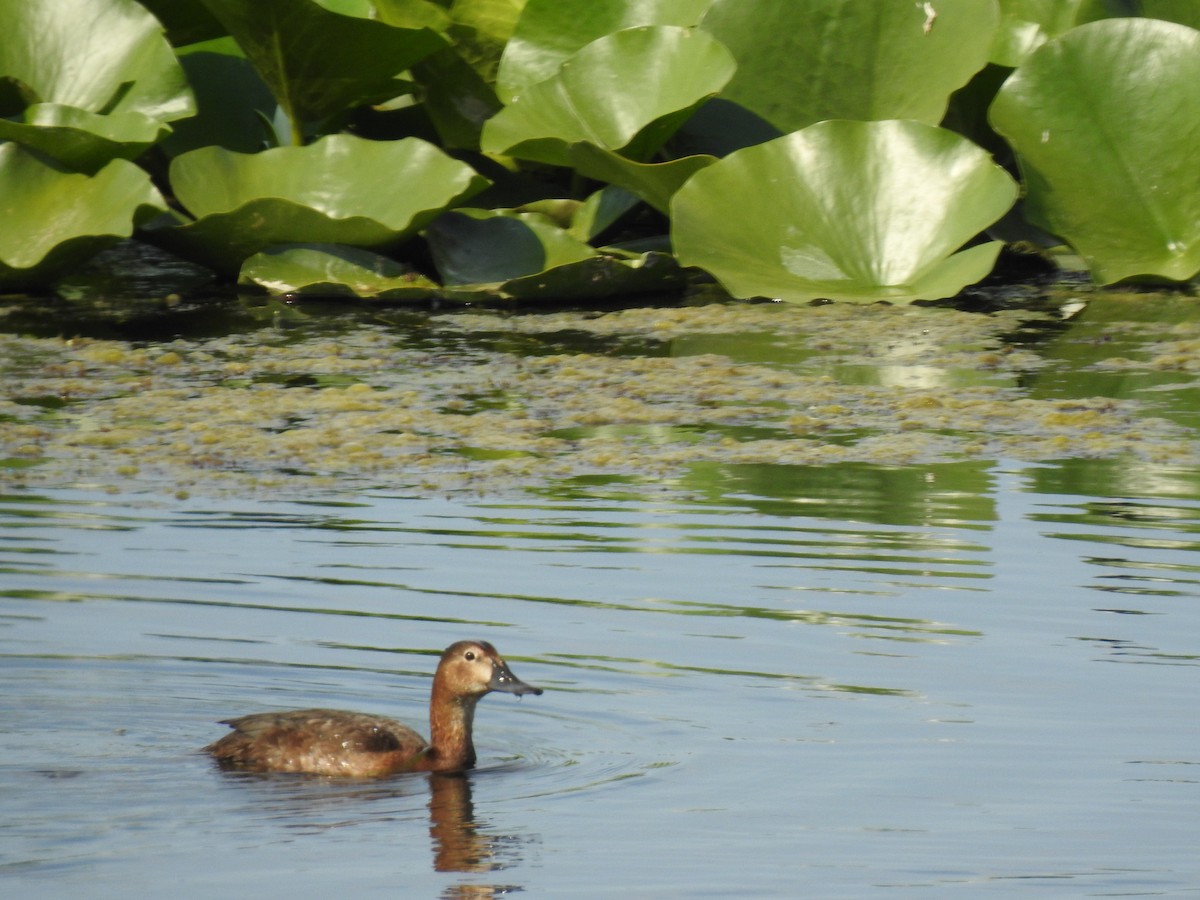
504,680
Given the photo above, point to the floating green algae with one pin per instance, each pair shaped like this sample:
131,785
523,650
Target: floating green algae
489,402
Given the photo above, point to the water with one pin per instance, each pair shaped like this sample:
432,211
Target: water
958,657
873,682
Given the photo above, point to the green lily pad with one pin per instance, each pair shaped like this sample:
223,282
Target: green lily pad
1105,121
97,79
457,84
317,62
1184,12
329,270
54,219
626,92
244,203
656,183
804,61
233,105
82,140
845,210
525,255
613,104
1027,24
550,31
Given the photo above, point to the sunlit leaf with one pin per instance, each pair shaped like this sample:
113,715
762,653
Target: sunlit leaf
847,211
53,220
608,94
808,60
244,203
1106,121
1027,24
550,31
97,79
613,104
330,270
82,140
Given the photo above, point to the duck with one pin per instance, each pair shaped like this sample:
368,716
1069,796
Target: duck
334,742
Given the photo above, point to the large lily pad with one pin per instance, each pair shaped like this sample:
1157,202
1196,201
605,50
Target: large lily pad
1105,121
54,220
807,60
845,210
317,62
610,93
244,203
613,104
97,79
551,31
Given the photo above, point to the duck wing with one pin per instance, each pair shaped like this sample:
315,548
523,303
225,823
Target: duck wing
313,740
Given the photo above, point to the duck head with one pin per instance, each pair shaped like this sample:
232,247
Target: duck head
474,668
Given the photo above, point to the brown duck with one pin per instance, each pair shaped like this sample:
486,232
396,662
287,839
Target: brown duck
332,742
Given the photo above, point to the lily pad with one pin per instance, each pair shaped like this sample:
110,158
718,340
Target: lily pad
317,62
329,270
82,140
550,31
97,78
611,93
55,219
244,203
845,210
613,104
1105,121
524,255
808,60
1027,24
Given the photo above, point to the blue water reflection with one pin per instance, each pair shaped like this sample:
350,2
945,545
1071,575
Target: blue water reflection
865,678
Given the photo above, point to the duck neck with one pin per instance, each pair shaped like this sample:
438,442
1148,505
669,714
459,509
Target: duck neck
451,720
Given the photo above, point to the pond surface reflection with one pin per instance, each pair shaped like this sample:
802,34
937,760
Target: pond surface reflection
866,679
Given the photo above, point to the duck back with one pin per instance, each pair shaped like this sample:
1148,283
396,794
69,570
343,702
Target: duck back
320,741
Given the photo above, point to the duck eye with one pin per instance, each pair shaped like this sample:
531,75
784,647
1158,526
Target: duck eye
469,655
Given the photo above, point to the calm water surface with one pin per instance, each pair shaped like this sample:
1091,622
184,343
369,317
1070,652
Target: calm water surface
971,678
967,679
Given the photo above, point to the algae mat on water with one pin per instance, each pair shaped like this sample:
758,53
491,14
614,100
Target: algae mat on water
485,402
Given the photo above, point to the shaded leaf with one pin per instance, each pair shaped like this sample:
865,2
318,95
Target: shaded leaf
808,60
1185,12
55,219
186,21
481,29
847,211
232,103
456,98
318,62
476,246
523,255
1105,121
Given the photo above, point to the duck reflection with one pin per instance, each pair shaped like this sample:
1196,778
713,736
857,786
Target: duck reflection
462,843
459,840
